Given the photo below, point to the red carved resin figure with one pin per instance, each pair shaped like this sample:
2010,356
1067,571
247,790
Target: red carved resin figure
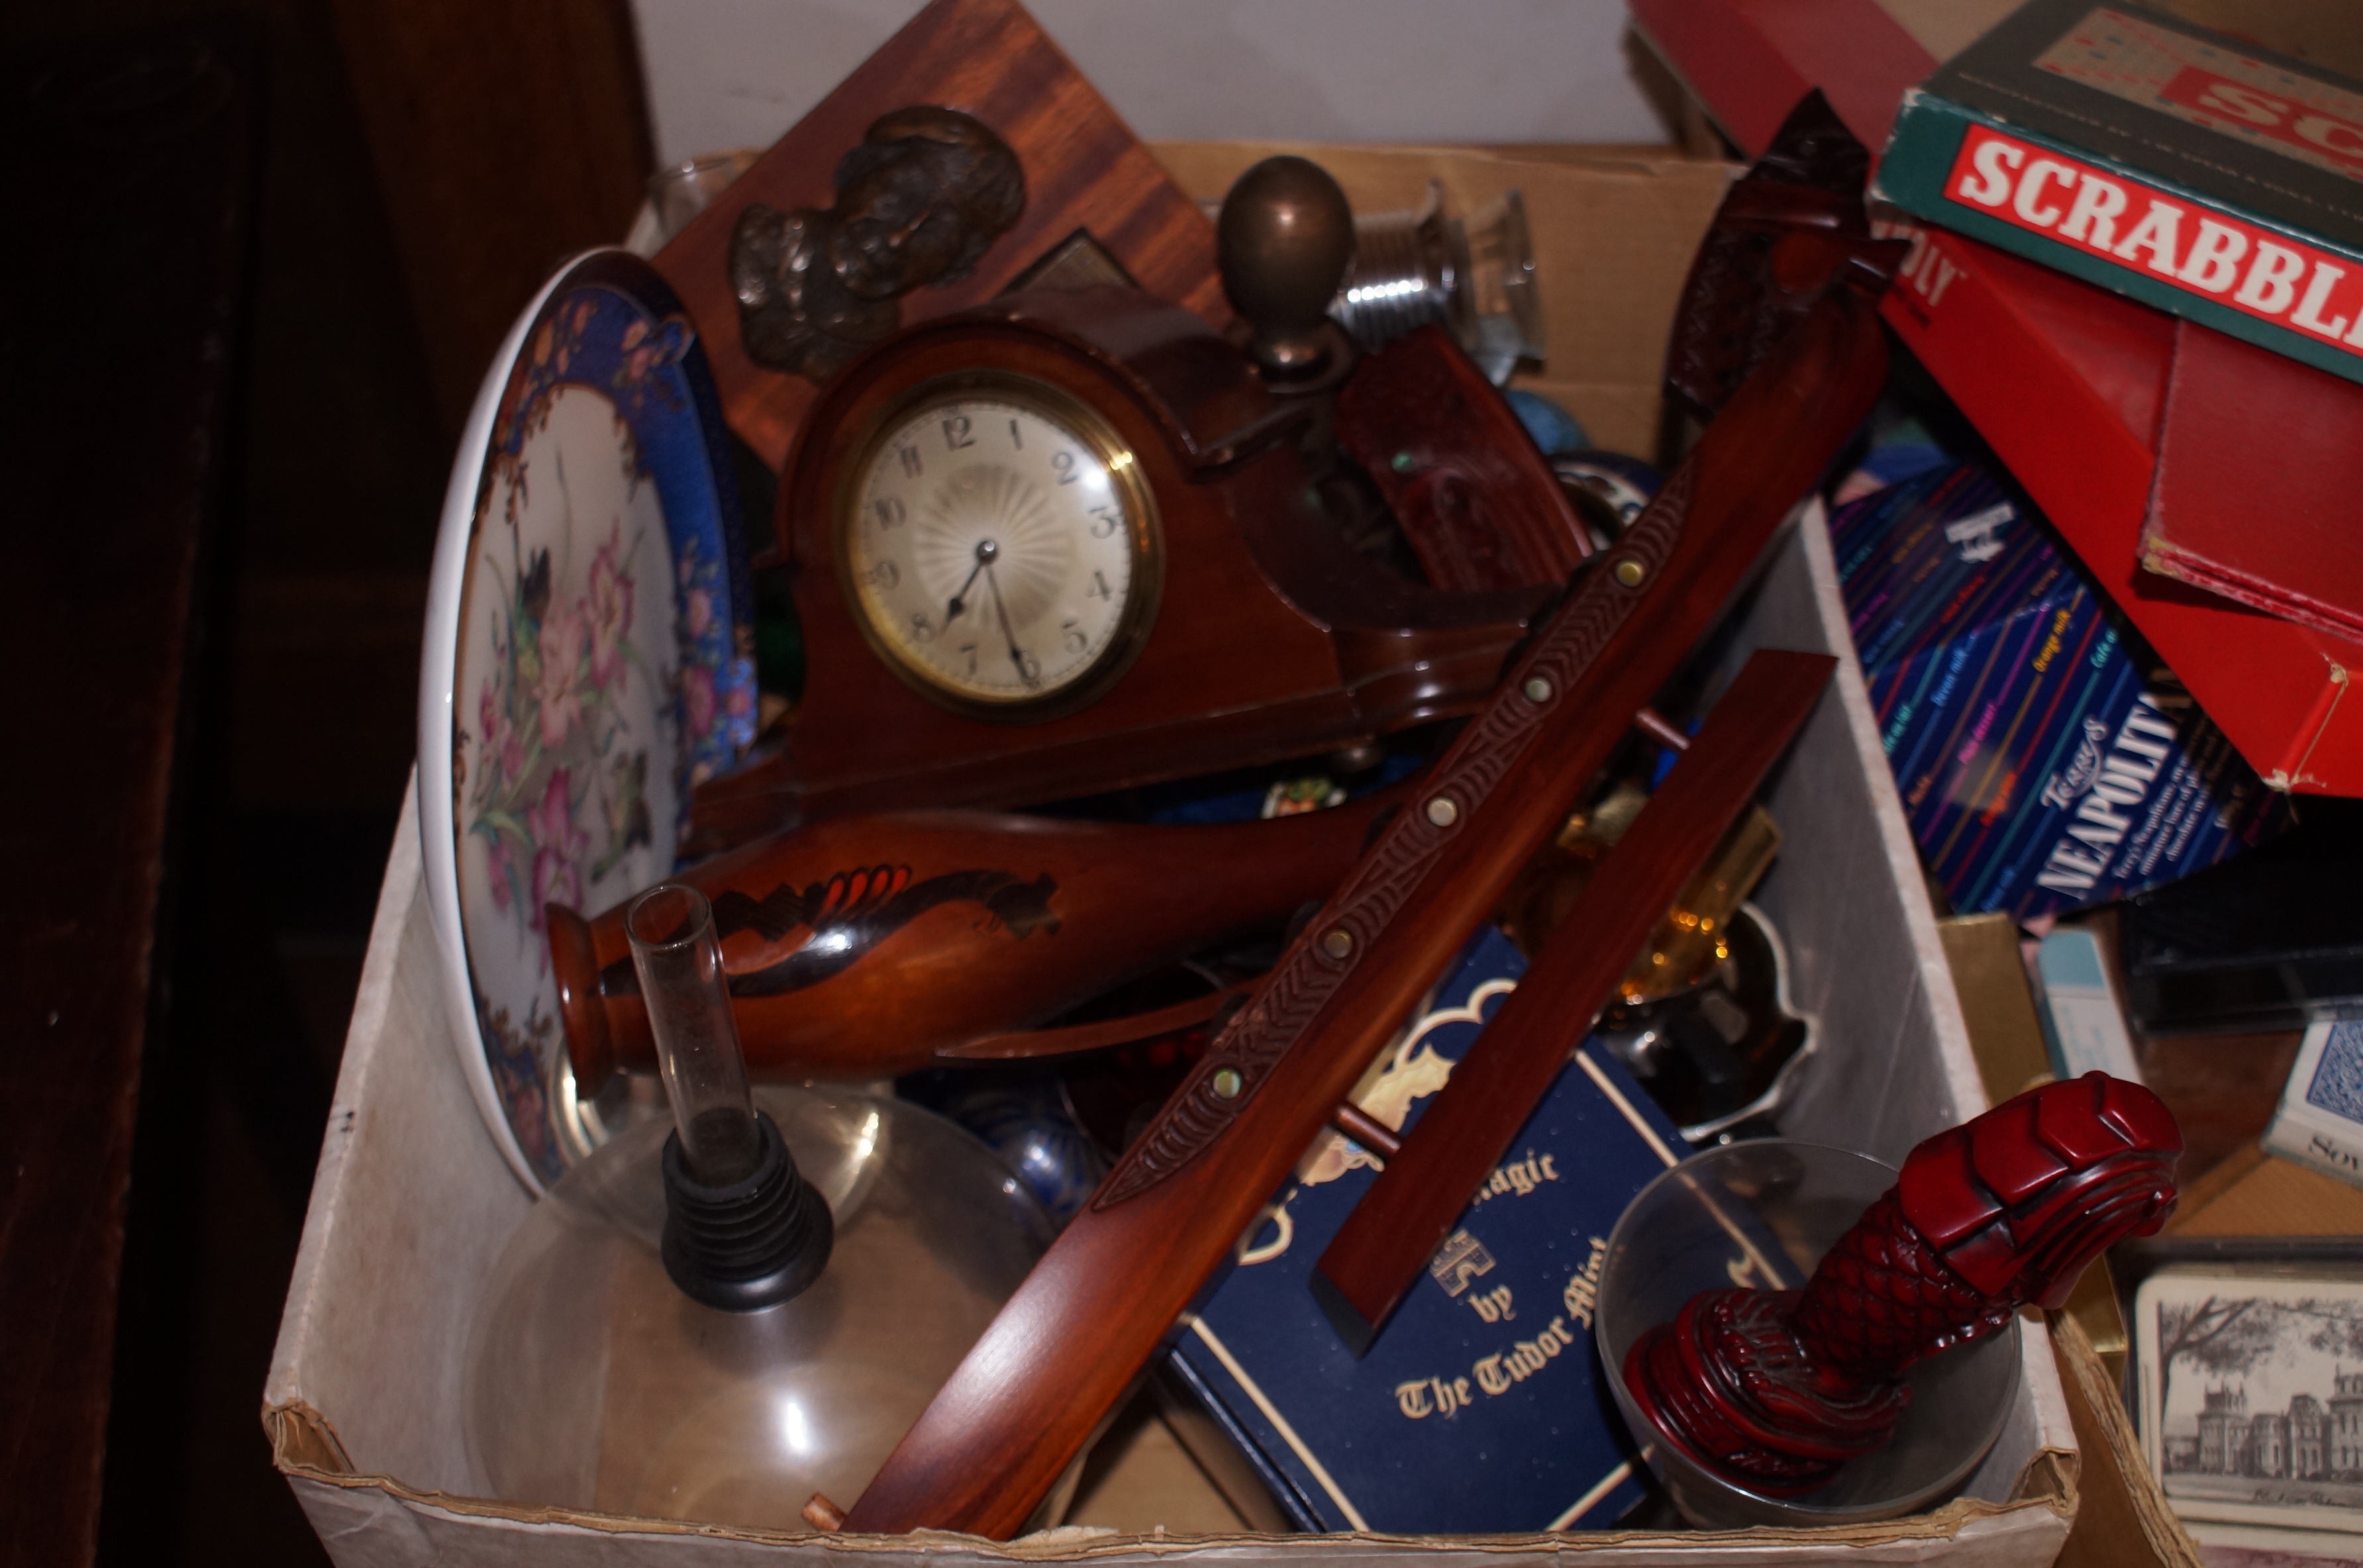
1773,1390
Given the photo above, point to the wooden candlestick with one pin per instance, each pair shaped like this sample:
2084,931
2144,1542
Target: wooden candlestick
1773,1390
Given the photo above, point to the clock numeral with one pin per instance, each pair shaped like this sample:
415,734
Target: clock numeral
970,649
882,576
1064,463
890,513
1016,440
922,629
1029,669
1099,587
1072,637
1105,521
956,433
911,464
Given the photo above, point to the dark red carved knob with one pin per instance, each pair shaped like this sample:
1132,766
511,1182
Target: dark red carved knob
1773,1390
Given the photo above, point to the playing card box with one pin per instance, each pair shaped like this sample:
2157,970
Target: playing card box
2251,1393
2320,1122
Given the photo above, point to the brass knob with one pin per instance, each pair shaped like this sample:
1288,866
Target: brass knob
1284,240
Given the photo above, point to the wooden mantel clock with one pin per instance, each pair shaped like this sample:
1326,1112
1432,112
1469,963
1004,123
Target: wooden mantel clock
1071,541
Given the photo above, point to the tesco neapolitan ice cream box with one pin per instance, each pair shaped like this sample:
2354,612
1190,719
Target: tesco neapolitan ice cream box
2046,760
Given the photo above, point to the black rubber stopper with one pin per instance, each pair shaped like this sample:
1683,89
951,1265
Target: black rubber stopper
752,1244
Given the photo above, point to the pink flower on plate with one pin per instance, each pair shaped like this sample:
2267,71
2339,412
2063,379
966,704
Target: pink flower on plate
635,334
609,607
488,723
498,866
701,612
557,848
558,695
502,745
698,699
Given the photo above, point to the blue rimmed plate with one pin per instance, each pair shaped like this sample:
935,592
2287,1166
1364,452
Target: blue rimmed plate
589,658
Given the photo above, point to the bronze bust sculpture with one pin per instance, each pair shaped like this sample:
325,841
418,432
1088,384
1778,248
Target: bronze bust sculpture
919,200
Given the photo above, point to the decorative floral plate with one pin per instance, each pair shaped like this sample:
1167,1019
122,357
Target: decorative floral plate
589,658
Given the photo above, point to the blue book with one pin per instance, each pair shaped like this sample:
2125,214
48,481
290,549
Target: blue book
1482,1407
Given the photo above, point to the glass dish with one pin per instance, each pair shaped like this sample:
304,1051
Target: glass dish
595,1382
1763,1214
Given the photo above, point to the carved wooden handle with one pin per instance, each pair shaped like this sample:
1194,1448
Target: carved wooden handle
1477,499
870,946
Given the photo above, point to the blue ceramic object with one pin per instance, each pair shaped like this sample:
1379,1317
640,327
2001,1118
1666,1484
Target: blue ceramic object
614,326
1626,484
1555,430
588,661
1024,1119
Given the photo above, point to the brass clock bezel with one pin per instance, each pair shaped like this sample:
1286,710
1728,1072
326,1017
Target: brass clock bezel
1143,533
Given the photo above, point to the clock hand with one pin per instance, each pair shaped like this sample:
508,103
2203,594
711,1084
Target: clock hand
1016,653
960,600
985,550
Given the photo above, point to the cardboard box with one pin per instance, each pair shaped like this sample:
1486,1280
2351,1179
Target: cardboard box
413,1203
2254,1193
1613,228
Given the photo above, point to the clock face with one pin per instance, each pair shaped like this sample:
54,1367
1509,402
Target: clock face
1000,546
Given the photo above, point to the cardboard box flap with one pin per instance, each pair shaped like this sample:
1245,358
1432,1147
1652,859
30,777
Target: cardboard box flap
379,1522
405,1215
1877,969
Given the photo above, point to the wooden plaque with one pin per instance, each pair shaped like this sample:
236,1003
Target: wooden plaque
1085,169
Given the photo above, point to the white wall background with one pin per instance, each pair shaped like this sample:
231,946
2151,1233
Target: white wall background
728,74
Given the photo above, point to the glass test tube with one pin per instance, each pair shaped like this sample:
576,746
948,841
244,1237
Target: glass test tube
679,960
